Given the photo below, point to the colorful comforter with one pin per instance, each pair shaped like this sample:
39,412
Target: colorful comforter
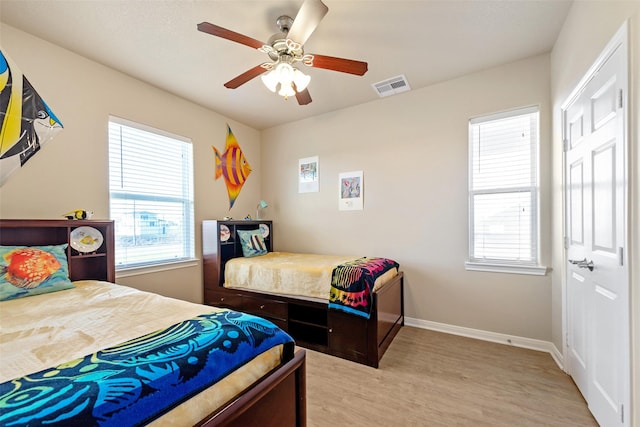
134,382
352,284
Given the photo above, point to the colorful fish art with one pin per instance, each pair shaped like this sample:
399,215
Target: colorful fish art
28,267
233,166
26,121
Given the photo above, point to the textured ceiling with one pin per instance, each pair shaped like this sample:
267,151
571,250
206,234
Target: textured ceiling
156,41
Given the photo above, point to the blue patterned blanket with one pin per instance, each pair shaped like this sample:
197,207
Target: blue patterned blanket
136,381
352,284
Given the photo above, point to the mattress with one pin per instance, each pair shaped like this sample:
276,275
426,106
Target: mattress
42,331
286,273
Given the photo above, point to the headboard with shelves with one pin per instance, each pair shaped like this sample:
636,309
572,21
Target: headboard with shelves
222,244
97,265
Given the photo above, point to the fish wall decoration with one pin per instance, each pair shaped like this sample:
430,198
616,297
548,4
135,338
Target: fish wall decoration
26,121
233,166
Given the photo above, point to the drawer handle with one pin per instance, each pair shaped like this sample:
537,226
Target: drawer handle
330,330
262,307
221,299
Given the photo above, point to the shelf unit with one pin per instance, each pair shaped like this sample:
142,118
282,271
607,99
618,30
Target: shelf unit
216,251
99,265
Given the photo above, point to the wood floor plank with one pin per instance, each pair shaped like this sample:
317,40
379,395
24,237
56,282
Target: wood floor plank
428,378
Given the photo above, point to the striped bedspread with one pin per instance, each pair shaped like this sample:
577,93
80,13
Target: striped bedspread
352,284
138,380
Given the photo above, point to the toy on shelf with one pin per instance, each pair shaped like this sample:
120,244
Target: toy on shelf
78,214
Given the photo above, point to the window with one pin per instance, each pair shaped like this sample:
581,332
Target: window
503,192
151,194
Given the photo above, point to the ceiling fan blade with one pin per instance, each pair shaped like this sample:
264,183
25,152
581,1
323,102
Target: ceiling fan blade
218,31
309,16
246,76
303,97
338,64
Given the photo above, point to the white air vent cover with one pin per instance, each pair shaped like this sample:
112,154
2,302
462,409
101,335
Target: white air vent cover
392,86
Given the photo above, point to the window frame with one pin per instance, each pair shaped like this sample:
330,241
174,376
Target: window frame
187,230
497,264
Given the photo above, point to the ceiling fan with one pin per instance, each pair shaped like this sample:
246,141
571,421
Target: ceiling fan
285,49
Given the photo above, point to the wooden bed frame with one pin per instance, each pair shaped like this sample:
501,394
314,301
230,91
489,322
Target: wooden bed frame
282,391
308,320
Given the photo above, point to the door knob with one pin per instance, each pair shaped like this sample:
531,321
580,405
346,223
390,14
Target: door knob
583,263
586,264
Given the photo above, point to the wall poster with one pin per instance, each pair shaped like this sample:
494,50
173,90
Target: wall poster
308,175
351,191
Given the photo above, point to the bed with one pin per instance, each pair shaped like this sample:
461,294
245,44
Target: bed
96,353
298,291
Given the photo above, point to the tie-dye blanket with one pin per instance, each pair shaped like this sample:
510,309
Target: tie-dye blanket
352,284
136,381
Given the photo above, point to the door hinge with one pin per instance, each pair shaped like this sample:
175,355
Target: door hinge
620,99
566,242
622,413
565,145
620,256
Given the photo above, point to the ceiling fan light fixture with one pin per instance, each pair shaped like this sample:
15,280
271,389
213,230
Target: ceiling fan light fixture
300,79
286,90
270,80
284,72
285,75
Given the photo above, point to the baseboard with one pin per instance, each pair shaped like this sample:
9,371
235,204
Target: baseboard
516,341
557,356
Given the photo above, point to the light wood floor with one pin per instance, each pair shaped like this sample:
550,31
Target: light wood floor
429,378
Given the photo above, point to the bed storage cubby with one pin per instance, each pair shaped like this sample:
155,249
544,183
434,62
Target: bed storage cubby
308,320
308,324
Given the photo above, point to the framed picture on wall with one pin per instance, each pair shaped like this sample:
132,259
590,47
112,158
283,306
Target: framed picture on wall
351,191
308,175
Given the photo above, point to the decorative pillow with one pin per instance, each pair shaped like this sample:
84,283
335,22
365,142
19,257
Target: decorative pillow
252,243
33,270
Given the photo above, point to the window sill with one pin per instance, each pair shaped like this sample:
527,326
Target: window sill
136,271
535,270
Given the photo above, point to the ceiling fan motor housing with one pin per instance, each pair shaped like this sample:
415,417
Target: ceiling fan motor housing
281,46
284,23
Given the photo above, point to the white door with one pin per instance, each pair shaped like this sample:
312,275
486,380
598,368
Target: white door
597,298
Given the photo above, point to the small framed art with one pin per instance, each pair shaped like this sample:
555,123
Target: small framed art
351,191
308,175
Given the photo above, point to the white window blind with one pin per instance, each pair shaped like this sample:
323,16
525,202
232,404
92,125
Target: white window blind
151,194
503,188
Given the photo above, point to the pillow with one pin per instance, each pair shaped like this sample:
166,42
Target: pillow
33,270
252,243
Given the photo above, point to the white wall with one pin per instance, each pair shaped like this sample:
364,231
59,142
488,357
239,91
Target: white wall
71,172
413,150
588,28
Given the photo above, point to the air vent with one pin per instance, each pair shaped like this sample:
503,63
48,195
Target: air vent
392,86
